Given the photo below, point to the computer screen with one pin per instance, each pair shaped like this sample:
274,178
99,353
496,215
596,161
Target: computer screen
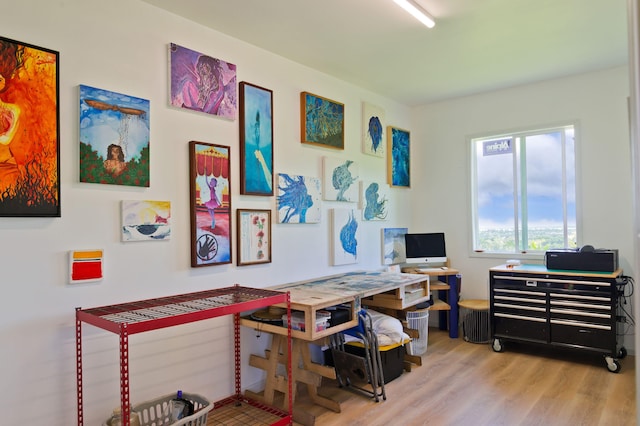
425,248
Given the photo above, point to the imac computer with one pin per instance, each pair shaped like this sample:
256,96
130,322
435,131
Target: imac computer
428,249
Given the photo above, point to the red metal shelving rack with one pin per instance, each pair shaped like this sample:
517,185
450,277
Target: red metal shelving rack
153,314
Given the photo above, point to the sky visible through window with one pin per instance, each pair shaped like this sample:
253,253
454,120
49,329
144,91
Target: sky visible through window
535,178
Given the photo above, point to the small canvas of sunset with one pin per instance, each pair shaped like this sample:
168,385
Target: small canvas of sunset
144,220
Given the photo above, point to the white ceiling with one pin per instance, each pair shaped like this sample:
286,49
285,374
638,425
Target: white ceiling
476,45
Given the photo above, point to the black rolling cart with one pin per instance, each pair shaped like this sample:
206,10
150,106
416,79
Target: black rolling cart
565,309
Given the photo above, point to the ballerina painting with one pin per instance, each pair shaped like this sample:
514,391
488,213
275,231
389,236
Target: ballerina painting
210,188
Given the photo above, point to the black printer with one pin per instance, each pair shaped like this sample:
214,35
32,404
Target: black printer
586,258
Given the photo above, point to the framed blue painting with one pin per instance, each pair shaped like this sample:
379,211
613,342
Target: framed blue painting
393,246
321,121
398,159
373,128
298,199
256,140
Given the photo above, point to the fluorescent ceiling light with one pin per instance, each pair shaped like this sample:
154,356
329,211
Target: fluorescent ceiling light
418,12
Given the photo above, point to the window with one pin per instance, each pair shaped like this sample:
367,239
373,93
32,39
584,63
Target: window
524,191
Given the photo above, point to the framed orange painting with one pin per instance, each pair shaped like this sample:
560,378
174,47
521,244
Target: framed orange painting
29,131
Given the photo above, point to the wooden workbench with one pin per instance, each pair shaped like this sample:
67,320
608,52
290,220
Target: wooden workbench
309,296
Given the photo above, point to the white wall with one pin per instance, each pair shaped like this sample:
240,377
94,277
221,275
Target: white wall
598,101
122,46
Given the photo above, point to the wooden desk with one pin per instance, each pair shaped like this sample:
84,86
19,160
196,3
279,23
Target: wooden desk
448,283
310,296
380,288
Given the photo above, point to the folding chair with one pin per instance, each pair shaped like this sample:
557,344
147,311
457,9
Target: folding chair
359,373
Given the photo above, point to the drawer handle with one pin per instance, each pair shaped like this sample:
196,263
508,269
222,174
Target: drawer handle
520,299
520,317
524,308
580,324
576,296
580,313
580,305
529,293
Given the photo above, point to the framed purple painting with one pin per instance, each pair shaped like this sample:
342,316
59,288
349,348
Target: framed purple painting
202,83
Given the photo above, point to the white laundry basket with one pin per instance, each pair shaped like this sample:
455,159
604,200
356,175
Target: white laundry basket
418,320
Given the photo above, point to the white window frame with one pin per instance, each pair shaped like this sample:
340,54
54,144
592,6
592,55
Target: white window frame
473,214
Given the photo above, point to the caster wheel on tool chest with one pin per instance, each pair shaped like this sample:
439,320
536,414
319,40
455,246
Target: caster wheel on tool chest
497,345
622,353
612,364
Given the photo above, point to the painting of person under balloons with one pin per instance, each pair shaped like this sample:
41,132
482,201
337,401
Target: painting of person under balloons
29,131
114,138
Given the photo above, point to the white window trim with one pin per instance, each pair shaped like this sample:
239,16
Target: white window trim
471,195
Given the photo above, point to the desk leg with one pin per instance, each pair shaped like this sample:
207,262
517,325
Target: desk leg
453,302
304,371
449,318
443,315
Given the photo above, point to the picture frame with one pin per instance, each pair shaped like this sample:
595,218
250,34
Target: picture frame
340,180
256,140
254,236
298,199
393,246
202,83
145,220
345,233
30,133
373,130
321,121
86,266
398,157
210,203
115,140
374,200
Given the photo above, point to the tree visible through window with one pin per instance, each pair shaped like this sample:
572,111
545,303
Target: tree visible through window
524,191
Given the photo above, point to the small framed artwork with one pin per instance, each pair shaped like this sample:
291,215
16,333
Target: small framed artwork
85,266
202,83
256,140
298,199
340,180
254,236
373,129
393,247
146,220
374,200
398,159
321,121
210,190
29,130
344,236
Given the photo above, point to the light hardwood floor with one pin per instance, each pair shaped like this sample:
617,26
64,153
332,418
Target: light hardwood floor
461,383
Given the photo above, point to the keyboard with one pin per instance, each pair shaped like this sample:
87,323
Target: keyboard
427,270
